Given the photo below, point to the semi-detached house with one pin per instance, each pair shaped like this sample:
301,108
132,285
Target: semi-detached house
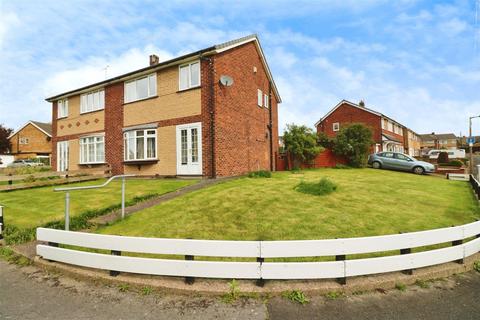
209,113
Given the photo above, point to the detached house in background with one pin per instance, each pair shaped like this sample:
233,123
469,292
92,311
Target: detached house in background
438,141
32,141
388,134
208,113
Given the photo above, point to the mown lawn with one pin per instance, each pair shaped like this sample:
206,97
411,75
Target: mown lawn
38,206
367,202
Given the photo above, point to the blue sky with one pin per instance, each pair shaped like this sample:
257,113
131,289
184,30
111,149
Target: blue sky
415,61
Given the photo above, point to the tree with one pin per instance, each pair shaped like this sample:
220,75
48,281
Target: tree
353,142
5,145
301,143
442,157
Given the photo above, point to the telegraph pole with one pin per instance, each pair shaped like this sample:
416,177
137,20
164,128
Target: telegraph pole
470,144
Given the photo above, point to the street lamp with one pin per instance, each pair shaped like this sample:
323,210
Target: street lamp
471,144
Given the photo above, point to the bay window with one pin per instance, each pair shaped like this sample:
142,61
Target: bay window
140,144
92,101
92,150
189,75
141,88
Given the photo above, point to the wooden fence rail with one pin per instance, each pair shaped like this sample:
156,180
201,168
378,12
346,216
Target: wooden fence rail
261,250
45,174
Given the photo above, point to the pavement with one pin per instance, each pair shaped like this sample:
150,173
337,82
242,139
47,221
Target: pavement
30,293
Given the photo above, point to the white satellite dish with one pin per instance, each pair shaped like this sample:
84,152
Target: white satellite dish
227,81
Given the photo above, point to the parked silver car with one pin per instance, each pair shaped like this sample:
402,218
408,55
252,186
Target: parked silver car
399,161
24,163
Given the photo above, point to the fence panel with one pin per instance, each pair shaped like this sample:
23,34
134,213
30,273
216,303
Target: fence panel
303,270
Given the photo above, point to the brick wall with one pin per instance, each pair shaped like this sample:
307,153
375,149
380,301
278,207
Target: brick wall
242,141
113,127
346,114
53,160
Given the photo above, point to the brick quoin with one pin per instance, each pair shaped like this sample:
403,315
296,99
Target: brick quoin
53,160
242,139
113,127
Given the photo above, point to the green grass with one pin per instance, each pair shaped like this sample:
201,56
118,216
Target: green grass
39,206
367,202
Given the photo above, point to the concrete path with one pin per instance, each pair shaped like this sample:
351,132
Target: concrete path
27,293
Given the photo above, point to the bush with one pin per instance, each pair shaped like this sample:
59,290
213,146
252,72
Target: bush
260,174
452,163
301,143
322,187
353,142
442,157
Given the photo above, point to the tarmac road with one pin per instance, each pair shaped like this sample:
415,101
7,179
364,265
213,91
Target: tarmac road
27,293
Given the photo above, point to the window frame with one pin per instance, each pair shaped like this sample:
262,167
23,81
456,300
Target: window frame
266,101
63,103
24,140
84,100
146,135
336,125
259,98
88,145
150,93
189,75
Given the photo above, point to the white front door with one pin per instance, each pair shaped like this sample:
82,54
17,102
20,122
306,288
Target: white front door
62,156
189,149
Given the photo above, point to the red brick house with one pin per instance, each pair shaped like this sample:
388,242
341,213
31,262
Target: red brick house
388,134
213,112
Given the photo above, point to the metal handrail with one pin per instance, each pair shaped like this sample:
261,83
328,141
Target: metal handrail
67,195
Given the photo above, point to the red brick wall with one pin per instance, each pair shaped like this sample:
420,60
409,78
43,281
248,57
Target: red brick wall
346,114
113,127
242,142
207,69
53,160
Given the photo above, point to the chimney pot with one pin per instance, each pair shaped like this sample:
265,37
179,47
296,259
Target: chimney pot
154,59
362,103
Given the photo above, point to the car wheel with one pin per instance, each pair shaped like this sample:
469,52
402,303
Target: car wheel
418,170
376,165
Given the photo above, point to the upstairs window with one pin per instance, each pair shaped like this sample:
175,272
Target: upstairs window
141,88
62,106
336,126
24,140
92,101
259,98
265,101
140,145
92,150
189,76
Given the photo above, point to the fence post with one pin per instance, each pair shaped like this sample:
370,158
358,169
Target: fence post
67,211
458,243
10,181
189,280
260,282
342,257
123,198
112,272
2,227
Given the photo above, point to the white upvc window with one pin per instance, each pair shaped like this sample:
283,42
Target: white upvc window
24,140
140,145
259,98
390,126
141,88
92,150
336,126
62,107
265,101
92,101
189,75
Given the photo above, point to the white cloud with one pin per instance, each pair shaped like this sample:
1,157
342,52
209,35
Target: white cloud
8,21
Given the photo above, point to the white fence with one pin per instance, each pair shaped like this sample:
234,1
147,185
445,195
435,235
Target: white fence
260,250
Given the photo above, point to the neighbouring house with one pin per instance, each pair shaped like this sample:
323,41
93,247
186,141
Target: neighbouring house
208,113
432,141
33,140
462,144
388,134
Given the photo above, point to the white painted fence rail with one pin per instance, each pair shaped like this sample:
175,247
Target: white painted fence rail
260,250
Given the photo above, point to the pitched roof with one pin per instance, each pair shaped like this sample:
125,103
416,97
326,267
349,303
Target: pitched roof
175,61
362,108
438,136
42,126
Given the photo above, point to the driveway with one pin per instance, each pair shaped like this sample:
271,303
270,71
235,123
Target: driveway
27,293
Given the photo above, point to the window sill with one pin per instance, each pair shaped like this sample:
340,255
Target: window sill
91,163
189,89
87,112
147,98
63,117
140,162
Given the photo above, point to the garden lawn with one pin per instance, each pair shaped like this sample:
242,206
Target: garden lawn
367,202
38,206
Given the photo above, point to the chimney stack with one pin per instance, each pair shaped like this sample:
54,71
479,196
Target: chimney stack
154,59
362,103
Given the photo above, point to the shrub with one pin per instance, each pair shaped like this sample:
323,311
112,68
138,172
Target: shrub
260,174
301,143
322,187
295,296
442,157
353,142
452,163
